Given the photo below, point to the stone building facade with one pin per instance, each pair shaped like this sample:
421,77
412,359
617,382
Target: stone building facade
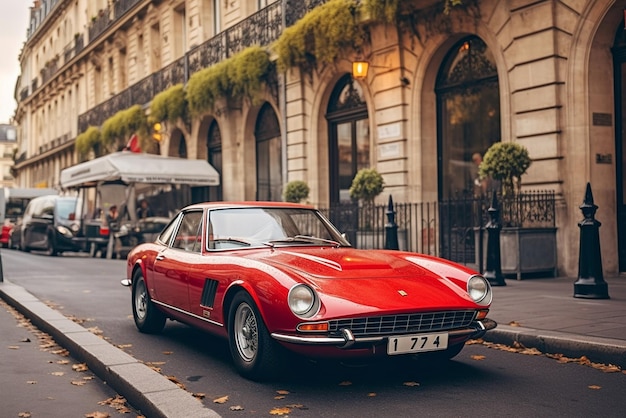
547,74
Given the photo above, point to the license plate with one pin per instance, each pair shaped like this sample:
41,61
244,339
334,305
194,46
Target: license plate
417,343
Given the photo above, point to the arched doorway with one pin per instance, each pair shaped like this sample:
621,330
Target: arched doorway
619,63
349,139
269,174
468,114
468,123
178,144
214,157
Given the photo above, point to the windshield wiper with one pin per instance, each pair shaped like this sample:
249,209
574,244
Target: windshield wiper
233,240
305,238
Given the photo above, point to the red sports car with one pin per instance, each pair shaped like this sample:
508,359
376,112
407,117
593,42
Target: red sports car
273,276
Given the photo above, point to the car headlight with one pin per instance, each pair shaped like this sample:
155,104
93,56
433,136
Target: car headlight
479,290
64,231
303,301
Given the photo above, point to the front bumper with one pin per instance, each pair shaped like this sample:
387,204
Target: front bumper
476,330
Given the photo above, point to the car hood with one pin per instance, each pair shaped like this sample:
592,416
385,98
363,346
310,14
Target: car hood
352,280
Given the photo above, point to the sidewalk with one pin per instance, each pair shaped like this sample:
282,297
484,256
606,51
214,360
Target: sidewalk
536,313
544,314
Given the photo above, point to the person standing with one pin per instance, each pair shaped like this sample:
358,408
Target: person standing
144,211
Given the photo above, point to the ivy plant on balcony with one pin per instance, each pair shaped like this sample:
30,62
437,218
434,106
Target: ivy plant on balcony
242,75
88,141
337,26
118,128
320,36
169,105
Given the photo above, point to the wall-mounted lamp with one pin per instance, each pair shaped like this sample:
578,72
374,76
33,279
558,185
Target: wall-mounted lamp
359,69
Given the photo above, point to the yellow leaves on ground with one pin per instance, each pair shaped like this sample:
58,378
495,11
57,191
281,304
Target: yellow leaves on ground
175,380
199,395
514,324
345,383
236,408
119,403
521,349
57,373
24,415
280,411
168,353
594,387
477,357
97,415
14,347
221,400
411,384
80,367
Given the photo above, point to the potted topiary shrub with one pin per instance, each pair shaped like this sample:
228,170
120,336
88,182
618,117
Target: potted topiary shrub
522,249
296,191
505,162
366,185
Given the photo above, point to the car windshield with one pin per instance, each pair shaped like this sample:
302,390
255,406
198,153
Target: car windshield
252,227
66,207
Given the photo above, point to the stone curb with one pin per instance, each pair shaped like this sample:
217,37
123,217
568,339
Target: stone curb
596,349
145,389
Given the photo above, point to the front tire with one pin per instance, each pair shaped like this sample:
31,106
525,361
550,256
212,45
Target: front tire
148,318
255,354
50,247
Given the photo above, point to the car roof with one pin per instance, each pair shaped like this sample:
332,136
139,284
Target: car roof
250,204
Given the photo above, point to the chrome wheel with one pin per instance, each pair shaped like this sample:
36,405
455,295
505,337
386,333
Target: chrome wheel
246,332
140,300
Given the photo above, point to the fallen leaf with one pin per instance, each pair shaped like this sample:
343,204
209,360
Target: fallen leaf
97,415
14,347
345,383
280,411
371,394
477,357
282,392
236,408
279,397
223,399
199,395
31,382
25,340
78,382
594,387
167,353
24,415
411,384
81,367
57,373
63,362
514,324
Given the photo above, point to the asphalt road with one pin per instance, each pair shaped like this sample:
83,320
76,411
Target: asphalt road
481,381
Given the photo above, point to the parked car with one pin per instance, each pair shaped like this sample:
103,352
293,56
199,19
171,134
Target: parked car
275,276
13,202
48,225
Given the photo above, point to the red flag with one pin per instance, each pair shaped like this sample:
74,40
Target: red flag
133,144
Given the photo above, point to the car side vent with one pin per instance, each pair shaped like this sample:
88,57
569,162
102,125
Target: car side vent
208,293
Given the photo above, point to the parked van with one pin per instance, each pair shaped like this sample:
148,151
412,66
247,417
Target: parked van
49,225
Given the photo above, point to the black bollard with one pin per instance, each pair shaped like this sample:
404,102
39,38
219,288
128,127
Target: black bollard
391,228
493,271
590,283
1,272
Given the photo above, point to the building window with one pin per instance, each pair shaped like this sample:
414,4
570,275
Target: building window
214,157
468,102
349,138
269,177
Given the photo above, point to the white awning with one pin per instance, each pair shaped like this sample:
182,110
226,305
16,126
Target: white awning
131,167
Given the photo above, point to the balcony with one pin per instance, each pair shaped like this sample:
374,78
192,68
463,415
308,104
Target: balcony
106,17
261,28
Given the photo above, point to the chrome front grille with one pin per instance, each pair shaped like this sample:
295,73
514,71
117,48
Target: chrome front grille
403,324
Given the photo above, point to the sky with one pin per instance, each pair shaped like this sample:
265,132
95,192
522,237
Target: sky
13,24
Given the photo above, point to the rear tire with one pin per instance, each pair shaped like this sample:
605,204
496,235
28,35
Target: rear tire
148,318
255,354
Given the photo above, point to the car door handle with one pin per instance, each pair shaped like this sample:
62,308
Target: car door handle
160,257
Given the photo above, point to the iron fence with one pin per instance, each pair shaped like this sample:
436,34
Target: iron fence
448,228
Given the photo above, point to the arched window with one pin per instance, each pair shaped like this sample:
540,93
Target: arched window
269,174
349,139
468,102
214,157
